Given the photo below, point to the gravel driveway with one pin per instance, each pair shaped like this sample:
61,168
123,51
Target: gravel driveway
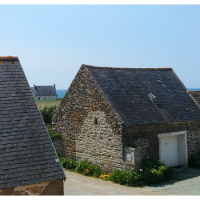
77,184
184,182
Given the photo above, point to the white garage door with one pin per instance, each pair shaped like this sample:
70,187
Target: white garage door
173,148
169,150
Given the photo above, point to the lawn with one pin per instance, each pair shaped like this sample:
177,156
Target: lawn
41,103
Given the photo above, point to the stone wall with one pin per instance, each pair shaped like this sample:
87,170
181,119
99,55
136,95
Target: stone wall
98,143
103,143
45,188
193,138
84,96
146,137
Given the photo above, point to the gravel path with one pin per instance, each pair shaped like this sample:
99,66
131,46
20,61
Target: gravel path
77,184
184,182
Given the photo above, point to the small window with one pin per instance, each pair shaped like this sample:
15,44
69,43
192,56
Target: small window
95,121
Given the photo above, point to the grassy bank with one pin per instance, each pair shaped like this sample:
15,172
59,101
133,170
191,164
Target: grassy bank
42,103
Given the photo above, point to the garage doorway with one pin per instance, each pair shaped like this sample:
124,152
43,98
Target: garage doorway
173,148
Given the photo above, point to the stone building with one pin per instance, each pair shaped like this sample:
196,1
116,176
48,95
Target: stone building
109,114
28,162
44,92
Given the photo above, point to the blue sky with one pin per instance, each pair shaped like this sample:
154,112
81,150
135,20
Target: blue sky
52,41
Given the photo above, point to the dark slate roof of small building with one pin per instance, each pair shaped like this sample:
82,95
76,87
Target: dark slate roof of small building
196,96
127,89
44,91
27,155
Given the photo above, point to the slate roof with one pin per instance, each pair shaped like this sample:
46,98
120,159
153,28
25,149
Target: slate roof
27,155
196,96
44,91
127,89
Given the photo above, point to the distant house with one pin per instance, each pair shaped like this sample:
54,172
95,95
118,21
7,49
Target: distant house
29,164
44,92
116,116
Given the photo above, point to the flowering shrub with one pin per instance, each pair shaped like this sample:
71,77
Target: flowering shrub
88,169
153,171
104,175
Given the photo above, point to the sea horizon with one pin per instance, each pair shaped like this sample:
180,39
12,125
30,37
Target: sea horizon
61,92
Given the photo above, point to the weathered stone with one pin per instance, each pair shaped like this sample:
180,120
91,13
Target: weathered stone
100,135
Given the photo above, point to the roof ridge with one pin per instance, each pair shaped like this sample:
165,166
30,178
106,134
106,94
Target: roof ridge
122,68
9,58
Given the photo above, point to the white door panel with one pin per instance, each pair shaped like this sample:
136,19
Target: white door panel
169,150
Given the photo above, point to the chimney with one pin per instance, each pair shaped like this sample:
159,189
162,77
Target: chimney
54,85
34,85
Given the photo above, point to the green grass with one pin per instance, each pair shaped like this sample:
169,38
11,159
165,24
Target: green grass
42,103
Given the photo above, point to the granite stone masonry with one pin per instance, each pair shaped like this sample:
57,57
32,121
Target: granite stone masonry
107,109
98,143
75,120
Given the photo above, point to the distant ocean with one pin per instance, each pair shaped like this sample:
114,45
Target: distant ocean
61,93
194,89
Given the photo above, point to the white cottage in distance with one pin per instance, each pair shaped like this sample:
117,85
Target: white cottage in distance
44,92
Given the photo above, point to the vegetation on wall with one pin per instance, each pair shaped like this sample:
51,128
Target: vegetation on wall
152,172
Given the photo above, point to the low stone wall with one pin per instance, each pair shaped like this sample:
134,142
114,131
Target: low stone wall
45,188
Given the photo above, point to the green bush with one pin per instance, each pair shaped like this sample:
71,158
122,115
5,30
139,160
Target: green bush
70,164
88,169
47,113
125,178
54,136
154,171
62,161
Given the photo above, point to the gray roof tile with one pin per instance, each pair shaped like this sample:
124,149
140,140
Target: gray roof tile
127,90
43,91
26,151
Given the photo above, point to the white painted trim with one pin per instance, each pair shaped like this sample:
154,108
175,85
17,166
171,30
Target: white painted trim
186,150
172,133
